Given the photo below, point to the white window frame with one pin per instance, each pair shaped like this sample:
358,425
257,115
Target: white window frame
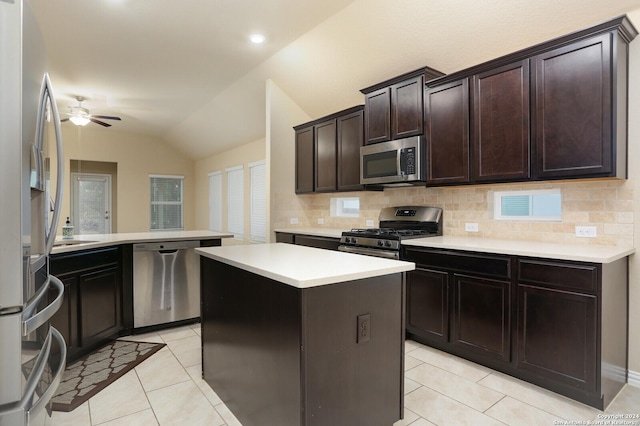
235,203
258,201
215,201
497,205
181,202
339,207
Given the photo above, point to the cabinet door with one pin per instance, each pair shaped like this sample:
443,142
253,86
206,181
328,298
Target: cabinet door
326,156
407,108
428,304
350,139
482,316
573,110
100,304
447,118
304,160
66,319
377,110
500,123
557,335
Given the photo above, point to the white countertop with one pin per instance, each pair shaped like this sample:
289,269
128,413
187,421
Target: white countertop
84,242
581,253
301,266
316,232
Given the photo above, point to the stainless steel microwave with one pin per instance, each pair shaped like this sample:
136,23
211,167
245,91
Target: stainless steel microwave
395,162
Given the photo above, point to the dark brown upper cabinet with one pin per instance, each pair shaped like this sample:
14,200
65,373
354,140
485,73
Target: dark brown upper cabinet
350,139
328,152
326,156
447,127
500,123
304,160
557,110
574,109
394,108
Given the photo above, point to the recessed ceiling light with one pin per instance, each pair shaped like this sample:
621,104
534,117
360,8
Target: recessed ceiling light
256,38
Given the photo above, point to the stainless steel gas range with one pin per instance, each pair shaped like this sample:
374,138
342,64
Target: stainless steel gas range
396,224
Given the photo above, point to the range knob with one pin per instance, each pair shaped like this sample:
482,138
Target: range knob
354,240
380,243
387,243
347,240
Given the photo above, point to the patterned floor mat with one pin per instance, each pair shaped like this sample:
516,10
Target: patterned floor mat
86,377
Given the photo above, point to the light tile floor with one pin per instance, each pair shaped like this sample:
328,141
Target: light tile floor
440,389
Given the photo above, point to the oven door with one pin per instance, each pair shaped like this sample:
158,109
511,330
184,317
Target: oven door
387,254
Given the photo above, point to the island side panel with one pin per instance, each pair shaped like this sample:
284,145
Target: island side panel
346,382
251,344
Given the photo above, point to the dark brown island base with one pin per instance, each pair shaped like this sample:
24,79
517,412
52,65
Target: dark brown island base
302,336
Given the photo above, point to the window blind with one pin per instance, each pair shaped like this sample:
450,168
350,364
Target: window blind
215,201
166,202
258,197
235,201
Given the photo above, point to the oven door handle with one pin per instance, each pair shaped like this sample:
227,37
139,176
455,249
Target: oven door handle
370,252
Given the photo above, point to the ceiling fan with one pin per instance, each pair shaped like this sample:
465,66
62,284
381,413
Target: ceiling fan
80,116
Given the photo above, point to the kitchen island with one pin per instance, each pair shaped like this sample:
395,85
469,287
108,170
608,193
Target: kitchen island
295,335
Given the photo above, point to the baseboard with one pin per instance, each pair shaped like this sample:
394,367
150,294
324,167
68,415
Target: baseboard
634,378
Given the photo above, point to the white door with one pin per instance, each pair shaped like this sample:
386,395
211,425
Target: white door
91,203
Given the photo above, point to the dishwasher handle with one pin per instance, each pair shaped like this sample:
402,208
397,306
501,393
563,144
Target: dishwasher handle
174,251
166,246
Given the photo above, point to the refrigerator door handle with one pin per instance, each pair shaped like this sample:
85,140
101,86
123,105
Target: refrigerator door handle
41,403
46,92
31,321
25,407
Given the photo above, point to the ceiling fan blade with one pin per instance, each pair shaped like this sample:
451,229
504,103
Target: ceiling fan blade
102,123
64,119
106,117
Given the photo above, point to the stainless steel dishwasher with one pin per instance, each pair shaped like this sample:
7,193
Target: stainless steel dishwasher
166,282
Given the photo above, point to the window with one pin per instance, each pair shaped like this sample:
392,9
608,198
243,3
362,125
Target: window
215,201
543,205
166,202
235,201
345,207
258,197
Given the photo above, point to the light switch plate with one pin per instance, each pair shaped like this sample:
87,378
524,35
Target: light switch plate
370,222
320,221
293,221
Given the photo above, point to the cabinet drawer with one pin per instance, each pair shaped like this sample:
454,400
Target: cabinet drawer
579,276
83,260
492,266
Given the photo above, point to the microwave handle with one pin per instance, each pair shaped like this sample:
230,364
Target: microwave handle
399,162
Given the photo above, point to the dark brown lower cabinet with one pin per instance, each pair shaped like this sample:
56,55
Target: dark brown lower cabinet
481,321
281,355
428,304
557,335
91,313
559,324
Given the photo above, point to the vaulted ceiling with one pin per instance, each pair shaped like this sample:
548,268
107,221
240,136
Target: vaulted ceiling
184,71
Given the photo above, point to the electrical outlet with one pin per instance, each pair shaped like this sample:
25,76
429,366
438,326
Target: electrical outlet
586,231
293,221
471,227
364,328
320,221
370,223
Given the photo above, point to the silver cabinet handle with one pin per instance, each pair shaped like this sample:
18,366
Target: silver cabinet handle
31,321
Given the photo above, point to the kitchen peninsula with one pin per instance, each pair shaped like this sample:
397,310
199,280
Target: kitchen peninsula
303,336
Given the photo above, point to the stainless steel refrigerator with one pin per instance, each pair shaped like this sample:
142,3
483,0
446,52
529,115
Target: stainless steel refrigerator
32,353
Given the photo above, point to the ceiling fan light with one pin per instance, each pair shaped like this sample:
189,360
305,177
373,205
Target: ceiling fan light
79,120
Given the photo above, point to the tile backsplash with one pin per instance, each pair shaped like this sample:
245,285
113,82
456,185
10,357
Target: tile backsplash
605,204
